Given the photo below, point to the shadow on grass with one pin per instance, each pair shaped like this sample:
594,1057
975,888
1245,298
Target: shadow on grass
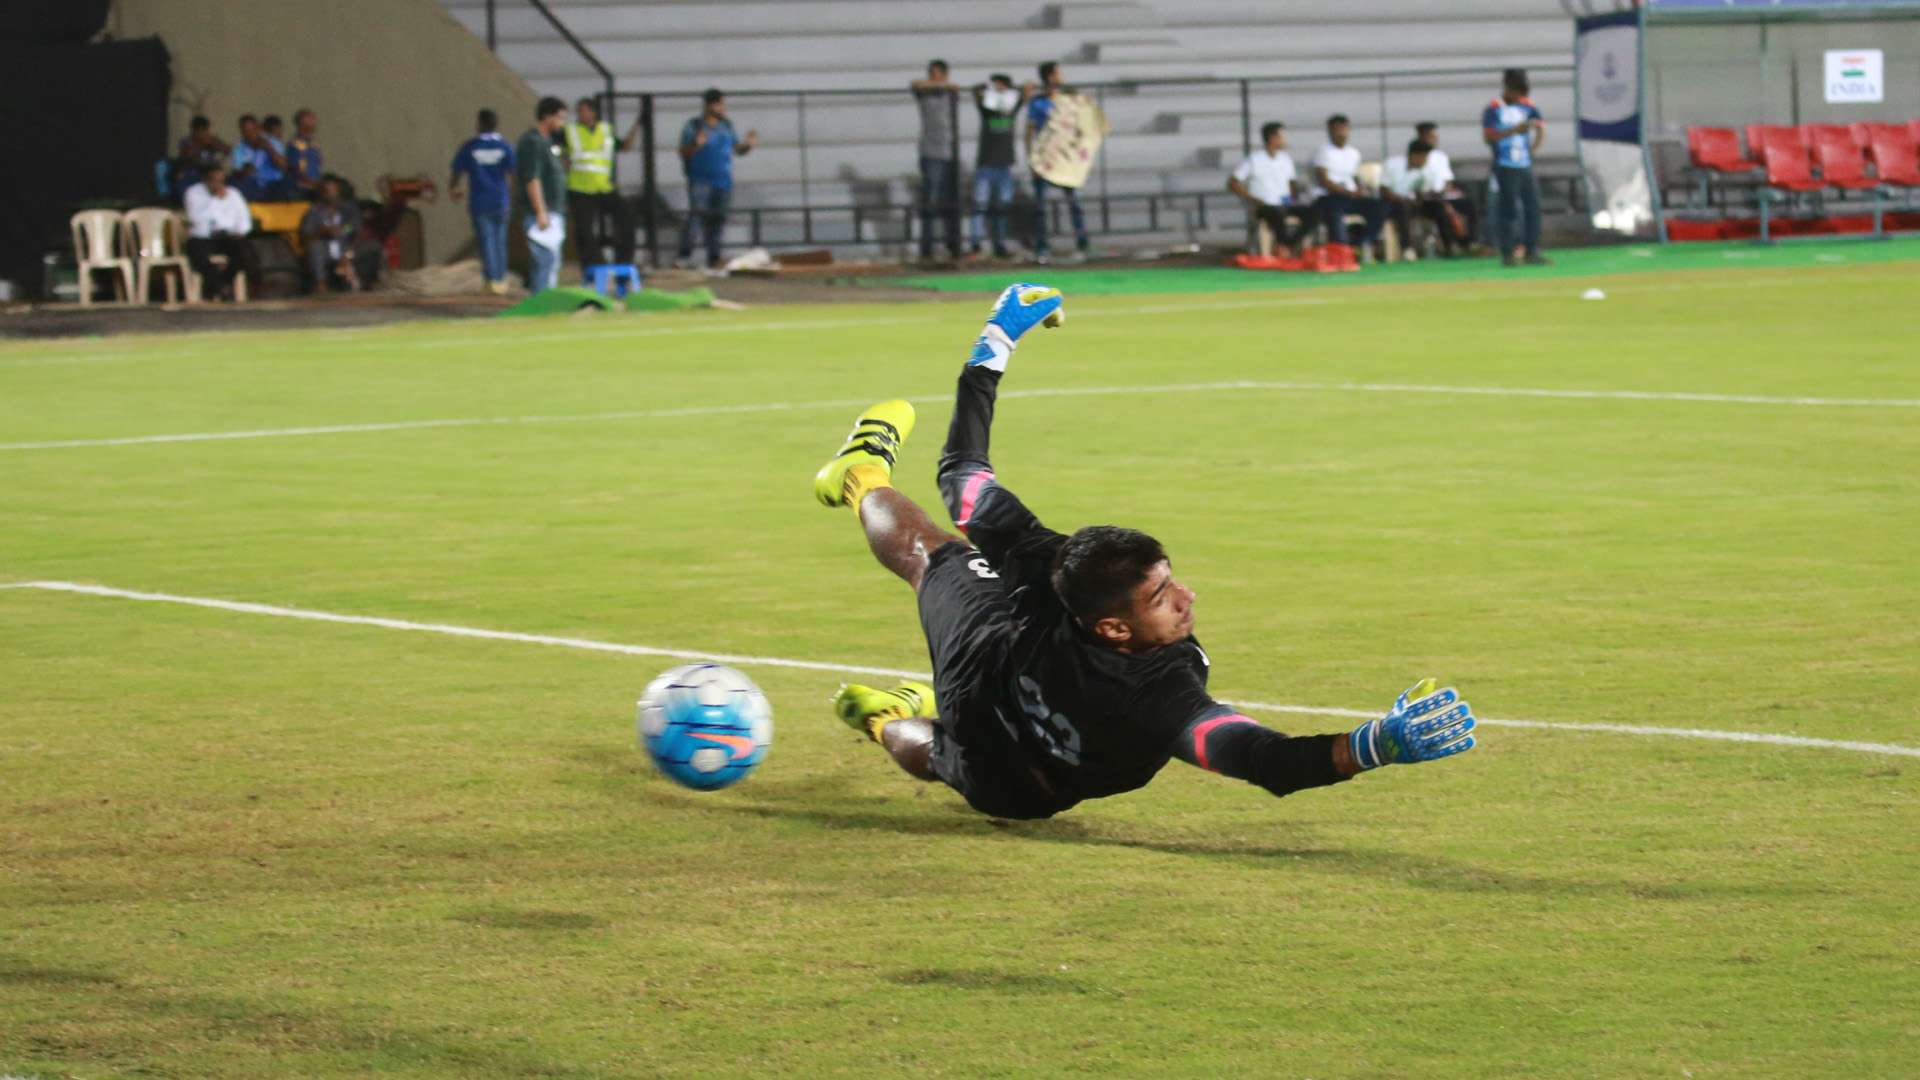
528,919
993,981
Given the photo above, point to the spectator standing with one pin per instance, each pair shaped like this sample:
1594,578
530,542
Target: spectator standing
487,164
708,146
1265,180
998,104
303,153
327,230
939,165
1460,230
198,150
590,189
544,184
1039,110
1336,166
217,225
1513,128
258,170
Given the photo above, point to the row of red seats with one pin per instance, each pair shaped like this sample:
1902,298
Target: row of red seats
1789,154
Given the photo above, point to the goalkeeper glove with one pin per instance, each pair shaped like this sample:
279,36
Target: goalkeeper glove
1424,724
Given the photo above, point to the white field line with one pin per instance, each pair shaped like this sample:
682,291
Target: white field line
588,644
72,354
1066,391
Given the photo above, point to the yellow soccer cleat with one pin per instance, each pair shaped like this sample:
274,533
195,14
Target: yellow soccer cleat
875,440
867,710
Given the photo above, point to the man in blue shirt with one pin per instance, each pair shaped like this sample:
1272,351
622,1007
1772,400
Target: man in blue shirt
1039,111
486,161
1513,127
303,154
708,146
257,169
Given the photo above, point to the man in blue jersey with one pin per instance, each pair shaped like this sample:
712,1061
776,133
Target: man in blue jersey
708,145
1513,127
1039,111
486,162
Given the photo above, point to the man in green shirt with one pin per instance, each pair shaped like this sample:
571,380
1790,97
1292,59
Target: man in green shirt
541,177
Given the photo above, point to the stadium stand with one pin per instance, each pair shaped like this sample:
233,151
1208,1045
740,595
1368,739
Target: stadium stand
1165,138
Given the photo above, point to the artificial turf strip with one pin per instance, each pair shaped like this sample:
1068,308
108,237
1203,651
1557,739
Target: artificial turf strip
1575,262
236,846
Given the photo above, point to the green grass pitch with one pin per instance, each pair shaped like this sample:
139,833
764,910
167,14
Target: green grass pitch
240,846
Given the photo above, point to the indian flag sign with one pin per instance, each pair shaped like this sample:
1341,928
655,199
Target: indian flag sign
1064,152
1854,76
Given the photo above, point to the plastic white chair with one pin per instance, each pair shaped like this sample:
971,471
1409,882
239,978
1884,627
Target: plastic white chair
95,249
156,241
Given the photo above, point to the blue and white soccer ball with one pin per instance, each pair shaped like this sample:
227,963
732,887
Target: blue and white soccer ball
706,726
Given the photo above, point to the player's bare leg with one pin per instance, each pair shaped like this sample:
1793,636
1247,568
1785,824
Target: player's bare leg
900,533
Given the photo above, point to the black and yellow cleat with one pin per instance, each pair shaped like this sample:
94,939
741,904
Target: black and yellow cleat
866,460
868,711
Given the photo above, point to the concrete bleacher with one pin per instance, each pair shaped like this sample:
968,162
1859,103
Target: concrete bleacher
1166,138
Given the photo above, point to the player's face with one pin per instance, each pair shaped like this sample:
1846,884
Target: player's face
1162,610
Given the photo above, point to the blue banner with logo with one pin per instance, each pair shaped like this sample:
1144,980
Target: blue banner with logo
1606,56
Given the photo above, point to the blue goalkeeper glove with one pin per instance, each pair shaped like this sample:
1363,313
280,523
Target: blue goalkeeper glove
1424,725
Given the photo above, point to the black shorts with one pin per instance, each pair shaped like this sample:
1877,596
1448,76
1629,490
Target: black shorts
968,620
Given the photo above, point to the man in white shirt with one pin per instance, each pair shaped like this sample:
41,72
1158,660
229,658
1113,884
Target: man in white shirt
1336,189
1459,236
217,224
1265,182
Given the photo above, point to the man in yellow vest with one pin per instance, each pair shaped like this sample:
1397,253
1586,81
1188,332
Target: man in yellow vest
590,190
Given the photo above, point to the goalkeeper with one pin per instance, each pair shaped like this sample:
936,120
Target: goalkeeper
1064,667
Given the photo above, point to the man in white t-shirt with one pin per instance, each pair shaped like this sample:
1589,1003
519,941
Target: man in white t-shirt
217,224
1456,237
1337,192
1265,181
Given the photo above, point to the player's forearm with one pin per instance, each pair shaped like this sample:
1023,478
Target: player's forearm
1236,746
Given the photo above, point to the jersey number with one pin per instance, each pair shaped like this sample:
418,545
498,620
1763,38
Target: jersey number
981,568
1053,728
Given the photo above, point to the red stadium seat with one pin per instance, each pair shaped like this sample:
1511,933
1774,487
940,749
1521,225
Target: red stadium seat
1811,134
1913,130
1862,132
1895,156
1717,150
1789,169
1842,165
1760,135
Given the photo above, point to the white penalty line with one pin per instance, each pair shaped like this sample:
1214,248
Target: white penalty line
590,645
1065,391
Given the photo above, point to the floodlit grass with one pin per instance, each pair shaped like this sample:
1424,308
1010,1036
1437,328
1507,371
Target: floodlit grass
238,846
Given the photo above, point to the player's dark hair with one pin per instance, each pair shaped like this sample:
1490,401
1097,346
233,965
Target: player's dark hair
548,106
245,118
1001,77
712,95
272,121
1425,126
1337,118
1515,79
1047,69
1418,146
941,64
201,123
1267,129
488,120
1098,568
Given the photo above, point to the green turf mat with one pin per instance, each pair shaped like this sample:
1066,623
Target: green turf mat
1575,262
564,300
666,300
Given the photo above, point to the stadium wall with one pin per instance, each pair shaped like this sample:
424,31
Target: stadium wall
396,83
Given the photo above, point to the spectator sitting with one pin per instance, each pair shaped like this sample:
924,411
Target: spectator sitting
1403,184
939,167
999,106
328,231
259,171
197,150
1265,180
1459,232
487,162
275,131
217,225
708,146
1337,191
303,154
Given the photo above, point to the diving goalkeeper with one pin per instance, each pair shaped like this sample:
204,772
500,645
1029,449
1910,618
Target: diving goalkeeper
1064,667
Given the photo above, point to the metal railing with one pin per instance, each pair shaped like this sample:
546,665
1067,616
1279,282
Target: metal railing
608,97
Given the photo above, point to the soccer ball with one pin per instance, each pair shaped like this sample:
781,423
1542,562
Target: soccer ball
705,726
